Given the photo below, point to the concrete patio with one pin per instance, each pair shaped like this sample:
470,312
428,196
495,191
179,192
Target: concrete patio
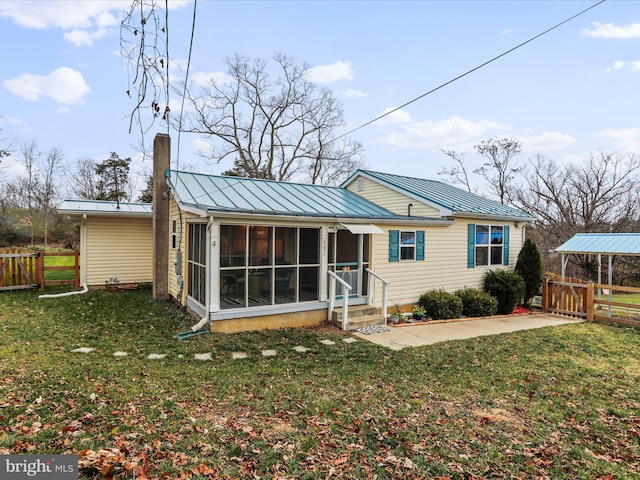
409,335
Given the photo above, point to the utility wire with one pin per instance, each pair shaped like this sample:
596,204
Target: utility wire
469,71
186,77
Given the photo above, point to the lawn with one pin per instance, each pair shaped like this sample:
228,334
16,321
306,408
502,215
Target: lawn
560,402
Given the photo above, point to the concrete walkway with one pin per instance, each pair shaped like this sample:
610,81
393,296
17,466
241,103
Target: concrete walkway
428,333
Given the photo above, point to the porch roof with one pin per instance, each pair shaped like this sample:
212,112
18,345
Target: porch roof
603,243
224,194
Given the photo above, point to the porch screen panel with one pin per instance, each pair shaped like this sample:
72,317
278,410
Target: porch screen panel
309,274
197,268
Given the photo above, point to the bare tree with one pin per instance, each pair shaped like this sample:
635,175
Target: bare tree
82,180
143,45
48,190
273,128
597,196
458,173
500,169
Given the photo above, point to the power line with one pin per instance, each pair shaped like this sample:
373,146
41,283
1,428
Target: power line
469,71
186,77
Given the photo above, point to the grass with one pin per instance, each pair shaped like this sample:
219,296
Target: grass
561,402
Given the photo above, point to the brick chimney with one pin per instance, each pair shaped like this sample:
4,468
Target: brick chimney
161,162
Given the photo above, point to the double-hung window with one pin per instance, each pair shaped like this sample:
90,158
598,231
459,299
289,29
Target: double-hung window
488,245
406,245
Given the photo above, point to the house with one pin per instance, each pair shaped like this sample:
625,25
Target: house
245,253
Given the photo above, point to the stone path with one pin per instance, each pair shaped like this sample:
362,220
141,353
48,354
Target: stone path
206,356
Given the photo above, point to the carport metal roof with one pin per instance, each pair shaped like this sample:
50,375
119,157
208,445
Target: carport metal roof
602,243
611,244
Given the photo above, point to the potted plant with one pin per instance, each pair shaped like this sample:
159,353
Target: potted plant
417,312
396,315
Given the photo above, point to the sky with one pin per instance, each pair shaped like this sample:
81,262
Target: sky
572,92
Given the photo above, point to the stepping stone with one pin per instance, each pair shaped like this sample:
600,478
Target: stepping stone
328,342
269,353
301,349
83,350
239,355
157,356
120,354
349,340
202,356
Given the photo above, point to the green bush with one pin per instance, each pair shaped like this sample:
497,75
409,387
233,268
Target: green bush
477,303
439,304
505,285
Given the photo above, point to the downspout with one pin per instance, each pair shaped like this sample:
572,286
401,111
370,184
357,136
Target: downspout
83,253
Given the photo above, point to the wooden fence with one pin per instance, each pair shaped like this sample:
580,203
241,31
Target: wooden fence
23,269
592,301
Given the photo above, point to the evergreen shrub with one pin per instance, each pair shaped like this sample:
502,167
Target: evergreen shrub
506,286
477,303
439,304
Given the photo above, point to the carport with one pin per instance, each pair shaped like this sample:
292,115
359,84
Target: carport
610,244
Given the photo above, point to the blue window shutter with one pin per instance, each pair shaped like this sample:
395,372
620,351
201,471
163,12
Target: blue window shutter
471,247
505,247
420,245
394,245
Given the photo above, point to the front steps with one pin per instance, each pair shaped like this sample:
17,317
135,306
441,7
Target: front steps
359,316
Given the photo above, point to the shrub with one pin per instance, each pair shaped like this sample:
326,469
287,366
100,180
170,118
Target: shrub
529,267
477,303
505,285
439,304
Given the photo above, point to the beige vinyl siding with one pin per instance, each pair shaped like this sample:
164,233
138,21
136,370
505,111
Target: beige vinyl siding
444,266
119,247
181,242
392,200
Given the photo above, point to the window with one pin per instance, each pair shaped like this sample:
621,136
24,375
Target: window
488,245
406,245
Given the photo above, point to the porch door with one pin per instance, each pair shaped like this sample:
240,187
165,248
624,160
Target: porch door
197,263
348,257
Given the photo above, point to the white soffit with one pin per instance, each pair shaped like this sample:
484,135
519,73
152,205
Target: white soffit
360,228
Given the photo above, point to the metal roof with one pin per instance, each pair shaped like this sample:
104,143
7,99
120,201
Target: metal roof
98,207
445,196
248,195
606,243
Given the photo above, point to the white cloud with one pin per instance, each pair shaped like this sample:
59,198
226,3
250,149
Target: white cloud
82,21
634,66
623,138
64,85
444,133
201,147
507,31
547,141
611,30
398,116
10,121
85,38
351,93
331,73
203,79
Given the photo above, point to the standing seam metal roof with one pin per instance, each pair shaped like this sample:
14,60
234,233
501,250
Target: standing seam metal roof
606,243
248,195
445,195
